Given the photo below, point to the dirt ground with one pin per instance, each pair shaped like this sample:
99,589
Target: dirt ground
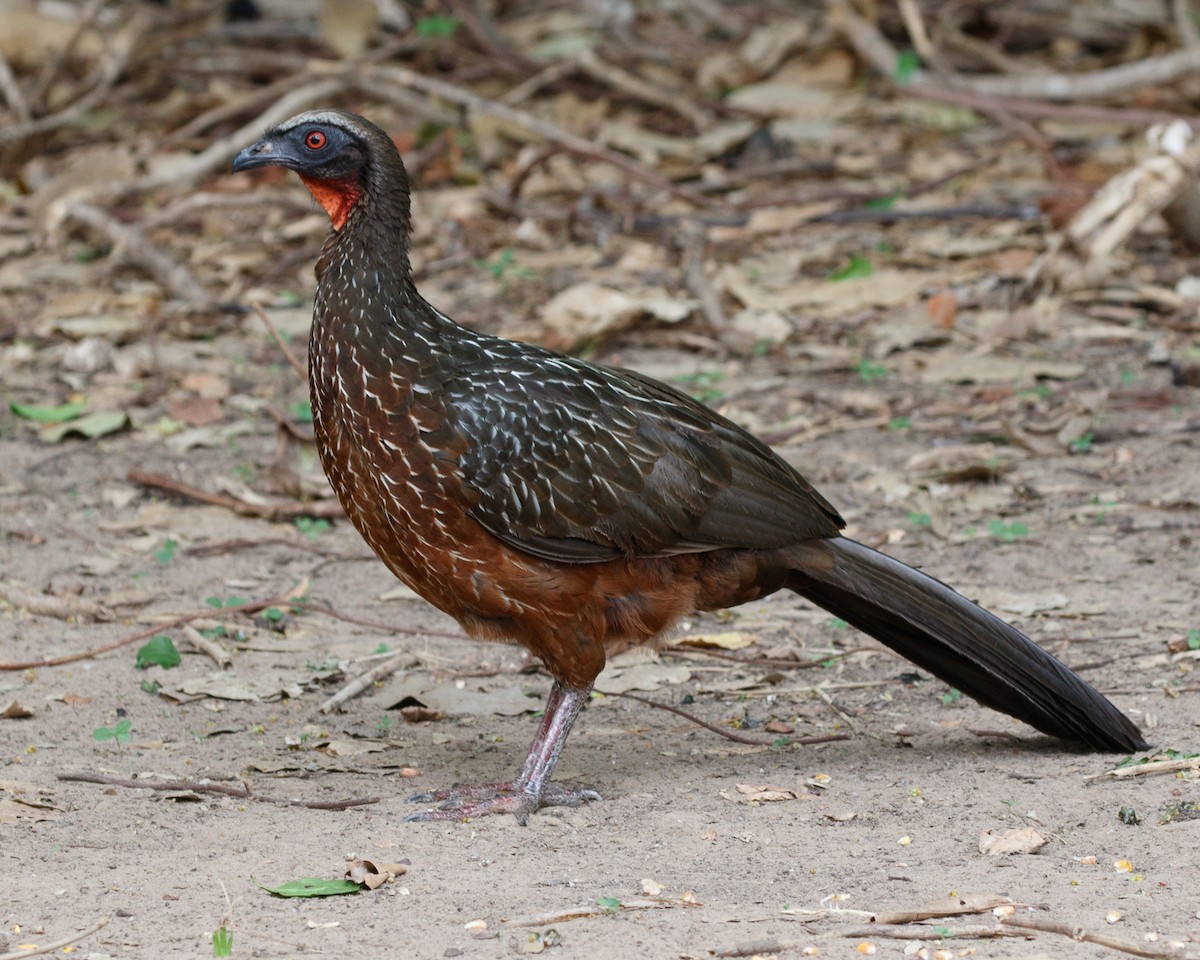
887,820
880,289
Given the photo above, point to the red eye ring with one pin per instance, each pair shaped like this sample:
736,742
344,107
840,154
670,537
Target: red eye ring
315,140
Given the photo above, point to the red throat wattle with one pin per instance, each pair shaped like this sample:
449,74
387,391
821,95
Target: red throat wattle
338,197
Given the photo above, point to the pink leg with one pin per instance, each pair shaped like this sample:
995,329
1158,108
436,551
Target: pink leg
530,790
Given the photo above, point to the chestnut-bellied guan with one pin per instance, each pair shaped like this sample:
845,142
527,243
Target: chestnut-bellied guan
566,506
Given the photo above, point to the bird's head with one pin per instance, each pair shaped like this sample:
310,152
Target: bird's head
341,157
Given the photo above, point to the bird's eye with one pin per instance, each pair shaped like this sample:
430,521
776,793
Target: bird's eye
314,140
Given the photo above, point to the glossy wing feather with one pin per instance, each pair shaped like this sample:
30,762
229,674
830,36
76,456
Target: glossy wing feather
579,463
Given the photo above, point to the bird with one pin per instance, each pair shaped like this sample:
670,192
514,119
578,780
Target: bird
568,507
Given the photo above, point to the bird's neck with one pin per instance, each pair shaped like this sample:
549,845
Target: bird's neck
365,289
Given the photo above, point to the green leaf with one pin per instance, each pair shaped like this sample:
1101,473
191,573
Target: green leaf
883,203
151,687
437,26
907,64
311,887
119,731
166,553
222,941
858,268
1193,640
91,425
869,370
301,410
609,904
919,519
67,411
159,652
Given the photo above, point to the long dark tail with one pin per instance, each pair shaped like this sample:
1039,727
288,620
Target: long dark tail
943,632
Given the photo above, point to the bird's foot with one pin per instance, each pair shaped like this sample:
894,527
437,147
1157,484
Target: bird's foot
467,801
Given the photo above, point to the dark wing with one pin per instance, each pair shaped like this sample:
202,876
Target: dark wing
580,464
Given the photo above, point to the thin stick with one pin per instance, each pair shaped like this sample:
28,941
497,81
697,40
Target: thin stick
217,653
177,278
367,680
203,786
1102,939
282,344
57,944
280,510
727,734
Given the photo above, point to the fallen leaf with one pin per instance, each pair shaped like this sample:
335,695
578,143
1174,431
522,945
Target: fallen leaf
965,368
14,711
90,425
1023,840
758,793
731,640
370,874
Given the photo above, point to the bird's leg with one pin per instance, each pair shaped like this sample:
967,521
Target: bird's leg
531,789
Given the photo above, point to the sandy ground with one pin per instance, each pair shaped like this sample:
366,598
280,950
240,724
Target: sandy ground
886,820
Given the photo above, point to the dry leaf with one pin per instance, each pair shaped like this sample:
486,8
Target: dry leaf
15,711
1023,840
370,874
758,793
731,640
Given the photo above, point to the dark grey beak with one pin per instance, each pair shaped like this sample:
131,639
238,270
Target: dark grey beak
265,153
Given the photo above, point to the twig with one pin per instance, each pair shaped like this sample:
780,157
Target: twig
378,77
253,607
1181,11
975,931
204,786
728,734
107,74
57,944
1102,939
279,510
83,22
217,653
1153,768
174,276
44,605
693,243
282,344
1040,109
12,90
639,89
367,680
1149,71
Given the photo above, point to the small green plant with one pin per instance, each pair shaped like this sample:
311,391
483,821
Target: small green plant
437,27
883,203
225,603
166,553
504,266
151,687
1082,443
159,651
119,731
311,527
1193,640
384,724
837,623
918,519
858,268
703,385
272,615
1008,532
899,423
869,370
222,941
907,64
609,904
382,648
301,411
951,696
